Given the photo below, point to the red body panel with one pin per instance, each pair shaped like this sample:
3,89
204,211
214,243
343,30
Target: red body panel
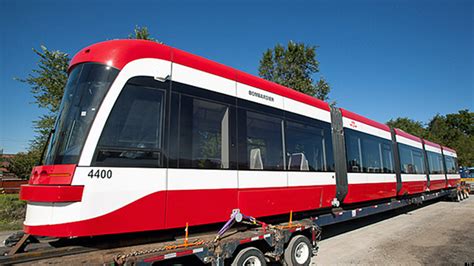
60,174
272,201
453,182
367,192
35,193
179,207
437,184
413,187
144,214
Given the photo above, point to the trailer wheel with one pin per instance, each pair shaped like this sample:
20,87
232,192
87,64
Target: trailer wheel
250,256
298,251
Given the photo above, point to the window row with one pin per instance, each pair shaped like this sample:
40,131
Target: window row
205,130
411,160
367,154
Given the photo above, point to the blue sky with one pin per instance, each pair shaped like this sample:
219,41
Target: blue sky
383,59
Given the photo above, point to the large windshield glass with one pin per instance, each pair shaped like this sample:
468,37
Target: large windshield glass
86,87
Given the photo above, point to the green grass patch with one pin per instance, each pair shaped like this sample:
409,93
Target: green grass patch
12,212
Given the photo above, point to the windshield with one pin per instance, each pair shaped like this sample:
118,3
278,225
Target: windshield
85,89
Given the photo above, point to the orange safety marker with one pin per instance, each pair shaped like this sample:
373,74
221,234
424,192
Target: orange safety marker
291,218
186,236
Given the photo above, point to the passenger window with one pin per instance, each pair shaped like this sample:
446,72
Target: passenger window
354,155
435,163
204,134
133,133
261,143
367,153
305,147
387,161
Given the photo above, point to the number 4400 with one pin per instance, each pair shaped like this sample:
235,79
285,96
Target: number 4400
100,173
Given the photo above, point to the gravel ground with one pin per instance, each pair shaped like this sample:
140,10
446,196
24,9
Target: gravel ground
440,233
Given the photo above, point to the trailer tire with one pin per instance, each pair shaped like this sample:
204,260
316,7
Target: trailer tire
298,251
249,256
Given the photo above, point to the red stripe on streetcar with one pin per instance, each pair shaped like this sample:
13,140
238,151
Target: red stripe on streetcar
362,119
35,193
448,149
402,133
432,144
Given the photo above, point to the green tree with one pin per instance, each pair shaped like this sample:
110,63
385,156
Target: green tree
452,130
408,125
47,84
23,162
294,66
455,131
141,33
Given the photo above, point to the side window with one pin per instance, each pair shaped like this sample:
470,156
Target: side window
435,163
204,134
450,165
371,156
260,141
406,162
367,153
418,162
411,160
133,133
305,147
354,152
387,160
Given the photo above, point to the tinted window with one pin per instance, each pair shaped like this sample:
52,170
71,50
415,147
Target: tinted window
411,160
451,164
435,163
367,153
133,133
204,134
305,147
84,92
260,141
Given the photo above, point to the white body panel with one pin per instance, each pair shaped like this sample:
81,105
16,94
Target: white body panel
359,126
365,178
311,179
409,142
433,149
450,153
454,176
413,177
437,177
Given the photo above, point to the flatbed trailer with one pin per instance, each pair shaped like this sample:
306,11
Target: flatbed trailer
290,243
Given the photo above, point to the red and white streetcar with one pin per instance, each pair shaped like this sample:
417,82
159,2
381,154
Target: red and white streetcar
150,137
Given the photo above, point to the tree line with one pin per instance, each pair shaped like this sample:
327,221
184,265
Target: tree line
294,65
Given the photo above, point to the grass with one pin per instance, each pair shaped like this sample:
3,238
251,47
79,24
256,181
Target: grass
12,212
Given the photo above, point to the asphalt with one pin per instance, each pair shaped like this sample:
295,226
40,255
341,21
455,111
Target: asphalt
439,233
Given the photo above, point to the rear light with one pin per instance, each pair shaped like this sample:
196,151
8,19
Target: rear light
52,174
52,183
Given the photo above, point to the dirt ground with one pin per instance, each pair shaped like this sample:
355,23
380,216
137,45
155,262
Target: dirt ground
440,233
